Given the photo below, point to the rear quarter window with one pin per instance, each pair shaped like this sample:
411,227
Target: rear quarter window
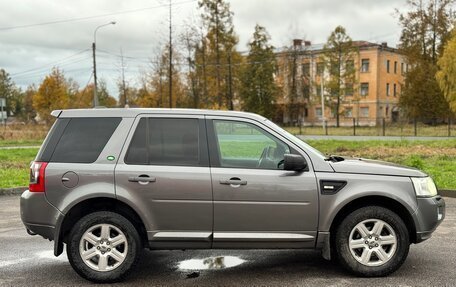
83,139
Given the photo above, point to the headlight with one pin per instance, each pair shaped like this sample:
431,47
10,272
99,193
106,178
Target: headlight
424,186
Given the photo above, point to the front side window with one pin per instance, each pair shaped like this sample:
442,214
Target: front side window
159,141
244,145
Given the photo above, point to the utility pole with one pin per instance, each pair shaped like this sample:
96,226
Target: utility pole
170,72
95,96
124,101
230,82
322,102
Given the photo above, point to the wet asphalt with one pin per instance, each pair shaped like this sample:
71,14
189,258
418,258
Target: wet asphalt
28,261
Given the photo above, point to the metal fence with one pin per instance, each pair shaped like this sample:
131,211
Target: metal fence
376,127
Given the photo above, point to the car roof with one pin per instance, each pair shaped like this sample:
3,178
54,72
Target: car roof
133,112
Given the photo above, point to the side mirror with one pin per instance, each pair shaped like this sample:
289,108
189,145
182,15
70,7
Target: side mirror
294,162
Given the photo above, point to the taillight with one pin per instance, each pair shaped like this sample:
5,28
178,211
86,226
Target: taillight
37,170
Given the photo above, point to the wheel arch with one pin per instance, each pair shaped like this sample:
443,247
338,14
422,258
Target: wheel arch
91,205
377,200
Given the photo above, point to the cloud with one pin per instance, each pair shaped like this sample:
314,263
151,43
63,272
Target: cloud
141,34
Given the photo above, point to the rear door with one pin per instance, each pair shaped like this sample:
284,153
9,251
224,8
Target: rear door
76,151
164,172
256,202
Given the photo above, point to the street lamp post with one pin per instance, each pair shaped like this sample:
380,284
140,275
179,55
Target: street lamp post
95,96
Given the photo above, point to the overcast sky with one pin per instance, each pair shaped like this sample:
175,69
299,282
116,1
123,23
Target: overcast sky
28,53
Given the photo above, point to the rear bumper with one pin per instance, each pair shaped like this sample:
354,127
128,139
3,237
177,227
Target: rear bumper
38,215
429,215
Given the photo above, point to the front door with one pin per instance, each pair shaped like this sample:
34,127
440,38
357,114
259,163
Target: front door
256,202
164,172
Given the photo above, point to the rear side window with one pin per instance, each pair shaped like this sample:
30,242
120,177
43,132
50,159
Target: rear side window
165,142
83,139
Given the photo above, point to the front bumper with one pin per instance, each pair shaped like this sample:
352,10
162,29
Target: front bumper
38,215
429,215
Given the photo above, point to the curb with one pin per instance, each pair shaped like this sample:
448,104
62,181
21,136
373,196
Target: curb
447,193
13,191
20,190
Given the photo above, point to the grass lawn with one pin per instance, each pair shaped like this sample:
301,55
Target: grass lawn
11,143
14,166
437,158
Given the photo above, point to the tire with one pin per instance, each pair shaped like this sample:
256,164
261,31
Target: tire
363,256
109,260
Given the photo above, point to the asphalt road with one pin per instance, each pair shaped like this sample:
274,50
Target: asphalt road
29,261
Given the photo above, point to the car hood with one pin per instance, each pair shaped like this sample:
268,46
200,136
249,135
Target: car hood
367,166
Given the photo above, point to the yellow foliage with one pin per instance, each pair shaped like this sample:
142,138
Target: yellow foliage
446,76
52,95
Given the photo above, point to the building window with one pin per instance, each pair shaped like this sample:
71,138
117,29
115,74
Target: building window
364,65
395,67
318,113
364,89
387,66
349,65
348,112
306,91
349,90
395,90
402,68
320,68
306,69
387,111
387,89
364,112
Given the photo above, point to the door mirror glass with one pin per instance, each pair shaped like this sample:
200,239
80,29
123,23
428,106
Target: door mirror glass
294,162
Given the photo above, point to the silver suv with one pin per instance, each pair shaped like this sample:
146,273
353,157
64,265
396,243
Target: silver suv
109,182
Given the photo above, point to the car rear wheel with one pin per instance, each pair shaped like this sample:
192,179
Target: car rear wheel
372,241
103,247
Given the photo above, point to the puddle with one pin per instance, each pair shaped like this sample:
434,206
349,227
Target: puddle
219,262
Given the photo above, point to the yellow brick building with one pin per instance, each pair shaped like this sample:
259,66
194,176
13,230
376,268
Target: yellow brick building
375,93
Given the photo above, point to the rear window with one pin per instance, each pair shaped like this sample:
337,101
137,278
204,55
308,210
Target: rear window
81,140
165,142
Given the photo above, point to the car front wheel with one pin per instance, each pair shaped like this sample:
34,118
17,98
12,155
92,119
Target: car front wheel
103,247
372,241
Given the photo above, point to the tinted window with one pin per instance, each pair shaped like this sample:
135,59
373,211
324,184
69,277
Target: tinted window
165,142
137,152
243,145
83,139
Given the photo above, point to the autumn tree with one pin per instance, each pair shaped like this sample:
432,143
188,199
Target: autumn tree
338,56
446,76
155,92
10,93
221,60
52,94
426,27
258,90
29,112
104,98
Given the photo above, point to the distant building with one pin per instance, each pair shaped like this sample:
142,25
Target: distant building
379,76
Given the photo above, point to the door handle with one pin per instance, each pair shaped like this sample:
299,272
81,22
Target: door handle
142,179
234,182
